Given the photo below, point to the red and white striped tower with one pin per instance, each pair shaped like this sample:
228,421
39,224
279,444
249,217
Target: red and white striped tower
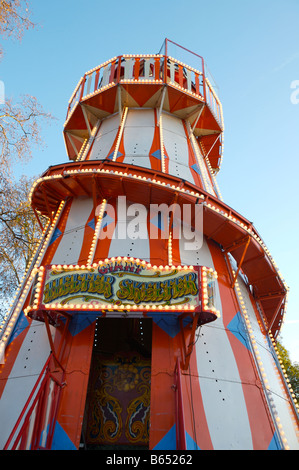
148,315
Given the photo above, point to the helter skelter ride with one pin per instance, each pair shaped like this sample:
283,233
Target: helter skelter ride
148,315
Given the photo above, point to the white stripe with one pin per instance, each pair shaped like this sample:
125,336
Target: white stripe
69,248
105,138
138,137
123,243
219,379
176,146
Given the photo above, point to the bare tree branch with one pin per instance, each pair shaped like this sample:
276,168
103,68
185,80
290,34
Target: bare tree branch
20,131
14,19
19,234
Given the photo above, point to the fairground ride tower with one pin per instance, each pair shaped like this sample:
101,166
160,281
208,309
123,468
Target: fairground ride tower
148,315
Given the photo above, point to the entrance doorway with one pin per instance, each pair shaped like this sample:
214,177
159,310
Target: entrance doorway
117,409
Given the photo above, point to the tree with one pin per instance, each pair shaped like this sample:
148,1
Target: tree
14,19
20,131
19,234
20,123
291,369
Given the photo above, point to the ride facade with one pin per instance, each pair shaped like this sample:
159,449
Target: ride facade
148,315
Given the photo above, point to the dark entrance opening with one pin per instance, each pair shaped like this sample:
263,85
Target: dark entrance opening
117,409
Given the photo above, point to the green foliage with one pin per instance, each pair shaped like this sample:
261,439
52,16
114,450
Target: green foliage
290,369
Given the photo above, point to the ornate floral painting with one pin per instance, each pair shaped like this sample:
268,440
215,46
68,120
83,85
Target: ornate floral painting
118,411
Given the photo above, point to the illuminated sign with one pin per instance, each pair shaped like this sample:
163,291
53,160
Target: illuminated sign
124,284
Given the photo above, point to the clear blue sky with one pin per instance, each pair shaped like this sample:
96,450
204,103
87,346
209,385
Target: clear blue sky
252,50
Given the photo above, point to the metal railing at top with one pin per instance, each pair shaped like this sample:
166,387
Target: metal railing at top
147,69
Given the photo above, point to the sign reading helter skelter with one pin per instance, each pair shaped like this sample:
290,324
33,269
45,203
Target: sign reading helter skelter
124,284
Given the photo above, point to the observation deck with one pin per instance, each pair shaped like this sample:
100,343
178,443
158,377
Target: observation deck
167,84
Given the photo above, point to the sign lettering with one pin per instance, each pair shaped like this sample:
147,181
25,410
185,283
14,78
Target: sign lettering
121,282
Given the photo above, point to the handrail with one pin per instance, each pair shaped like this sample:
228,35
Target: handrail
35,426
